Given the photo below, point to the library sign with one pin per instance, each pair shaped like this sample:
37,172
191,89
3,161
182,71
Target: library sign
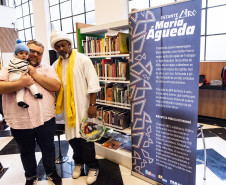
164,74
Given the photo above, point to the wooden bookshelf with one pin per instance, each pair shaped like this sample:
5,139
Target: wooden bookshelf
119,156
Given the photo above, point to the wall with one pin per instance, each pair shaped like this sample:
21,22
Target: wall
7,27
42,25
6,57
8,17
212,70
110,11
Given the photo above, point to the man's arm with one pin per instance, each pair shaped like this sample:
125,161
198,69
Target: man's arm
8,87
48,83
92,107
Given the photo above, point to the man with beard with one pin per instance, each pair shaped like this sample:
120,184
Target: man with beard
76,98
37,122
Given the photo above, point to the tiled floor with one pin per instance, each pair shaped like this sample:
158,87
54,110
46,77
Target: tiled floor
215,137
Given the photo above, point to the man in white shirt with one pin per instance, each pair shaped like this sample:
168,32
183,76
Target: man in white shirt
76,98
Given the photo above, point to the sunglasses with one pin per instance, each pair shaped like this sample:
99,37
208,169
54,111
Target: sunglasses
33,52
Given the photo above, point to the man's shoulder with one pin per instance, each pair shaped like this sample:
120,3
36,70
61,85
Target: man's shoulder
44,66
83,57
81,54
55,63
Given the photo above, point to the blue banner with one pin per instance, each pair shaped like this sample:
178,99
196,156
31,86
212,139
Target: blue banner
164,74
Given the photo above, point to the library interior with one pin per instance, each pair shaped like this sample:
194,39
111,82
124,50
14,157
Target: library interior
161,104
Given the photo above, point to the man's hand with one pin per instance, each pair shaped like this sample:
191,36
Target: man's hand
26,80
32,71
48,83
12,86
92,111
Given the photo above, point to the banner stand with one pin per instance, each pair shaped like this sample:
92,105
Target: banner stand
164,83
145,178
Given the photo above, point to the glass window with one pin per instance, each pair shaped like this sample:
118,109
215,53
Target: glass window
31,8
10,4
27,22
65,9
18,2
91,18
160,2
24,18
33,33
78,7
202,47
54,12
215,2
214,17
63,1
90,5
203,3
28,34
67,25
25,8
21,35
78,18
72,38
20,23
55,25
203,23
32,20
53,2
18,12
216,47
82,11
75,40
138,4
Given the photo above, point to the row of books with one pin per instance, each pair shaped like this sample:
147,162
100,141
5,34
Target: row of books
117,44
111,92
116,118
112,69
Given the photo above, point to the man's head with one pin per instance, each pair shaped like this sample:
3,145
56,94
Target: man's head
21,50
36,52
61,42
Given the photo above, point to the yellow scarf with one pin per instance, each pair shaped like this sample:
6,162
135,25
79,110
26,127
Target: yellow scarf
70,109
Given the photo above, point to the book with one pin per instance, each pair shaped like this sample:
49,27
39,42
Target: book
123,42
105,69
110,94
112,144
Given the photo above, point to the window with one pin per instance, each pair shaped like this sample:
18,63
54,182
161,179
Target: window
213,29
65,13
213,33
24,16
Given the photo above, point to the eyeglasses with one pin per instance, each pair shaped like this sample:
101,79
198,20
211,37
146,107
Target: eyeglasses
38,53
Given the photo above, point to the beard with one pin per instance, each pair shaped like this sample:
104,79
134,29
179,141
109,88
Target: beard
65,56
34,61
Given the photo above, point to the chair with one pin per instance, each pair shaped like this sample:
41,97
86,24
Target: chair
200,130
60,159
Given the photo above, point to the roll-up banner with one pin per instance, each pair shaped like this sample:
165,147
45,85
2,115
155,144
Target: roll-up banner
164,73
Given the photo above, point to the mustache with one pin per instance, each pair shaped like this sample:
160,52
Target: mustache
33,57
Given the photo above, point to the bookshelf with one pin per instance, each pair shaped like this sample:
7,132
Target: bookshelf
110,62
107,56
104,28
